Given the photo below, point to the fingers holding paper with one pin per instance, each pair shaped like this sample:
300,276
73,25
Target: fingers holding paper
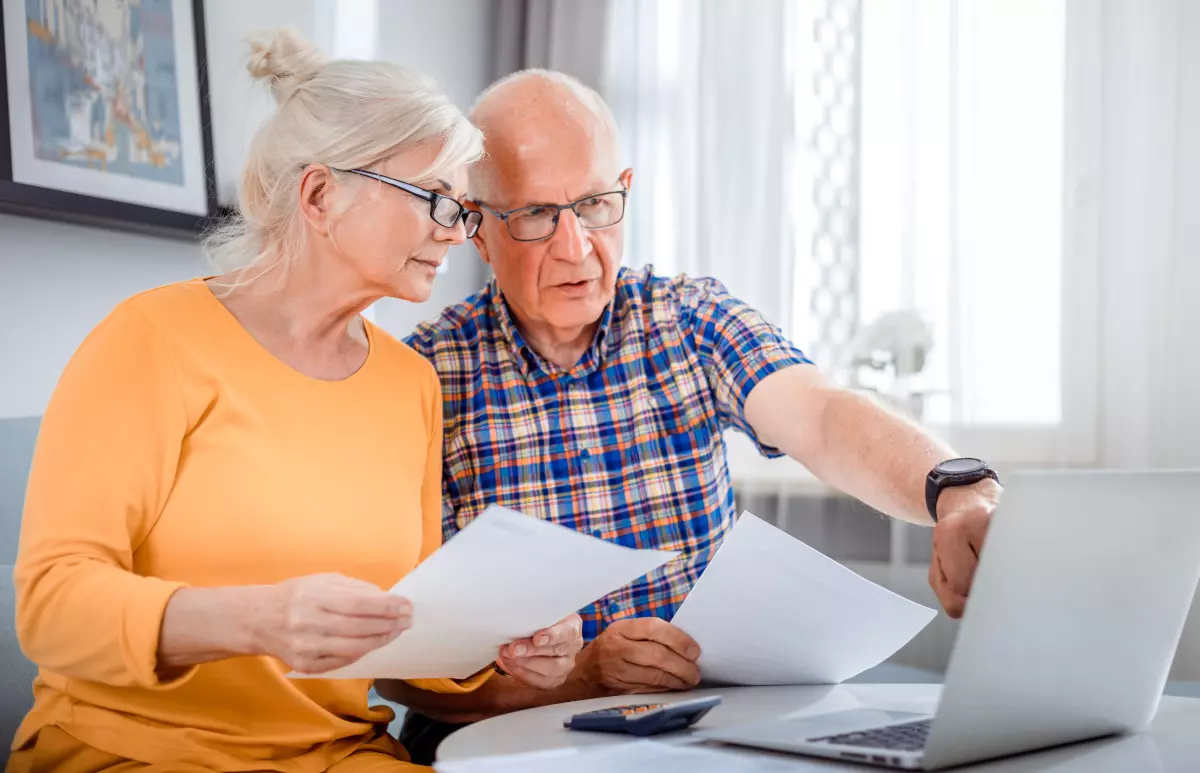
641,655
545,659
322,622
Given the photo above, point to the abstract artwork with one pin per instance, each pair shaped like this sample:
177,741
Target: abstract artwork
106,116
103,87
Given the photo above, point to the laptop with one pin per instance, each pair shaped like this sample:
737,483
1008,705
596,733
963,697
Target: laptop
1076,610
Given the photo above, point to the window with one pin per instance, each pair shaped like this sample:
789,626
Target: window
962,148
925,155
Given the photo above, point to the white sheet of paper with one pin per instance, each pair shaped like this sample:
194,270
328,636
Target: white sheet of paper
503,577
769,609
632,757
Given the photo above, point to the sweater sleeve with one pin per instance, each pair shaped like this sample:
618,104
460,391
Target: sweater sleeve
103,468
431,486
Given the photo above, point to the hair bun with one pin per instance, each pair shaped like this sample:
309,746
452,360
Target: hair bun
284,58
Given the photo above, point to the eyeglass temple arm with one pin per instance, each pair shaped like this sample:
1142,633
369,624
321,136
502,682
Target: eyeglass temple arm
481,205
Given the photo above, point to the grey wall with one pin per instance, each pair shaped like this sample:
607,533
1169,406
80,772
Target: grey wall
452,41
56,283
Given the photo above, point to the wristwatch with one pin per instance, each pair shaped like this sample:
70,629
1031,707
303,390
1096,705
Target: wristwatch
954,472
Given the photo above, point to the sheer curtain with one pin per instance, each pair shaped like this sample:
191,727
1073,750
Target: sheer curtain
1149,233
1029,170
964,168
702,93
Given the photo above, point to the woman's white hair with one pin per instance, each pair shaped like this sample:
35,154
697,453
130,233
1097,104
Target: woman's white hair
346,114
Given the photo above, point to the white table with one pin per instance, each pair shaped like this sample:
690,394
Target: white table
1171,743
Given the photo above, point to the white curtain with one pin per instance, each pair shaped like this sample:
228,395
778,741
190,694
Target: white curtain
702,92
1149,226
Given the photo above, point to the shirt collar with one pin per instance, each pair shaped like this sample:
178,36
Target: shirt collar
532,363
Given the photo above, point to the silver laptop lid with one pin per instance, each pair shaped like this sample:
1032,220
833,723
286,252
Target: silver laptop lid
1076,610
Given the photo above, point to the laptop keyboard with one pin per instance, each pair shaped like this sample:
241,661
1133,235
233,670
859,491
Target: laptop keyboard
907,737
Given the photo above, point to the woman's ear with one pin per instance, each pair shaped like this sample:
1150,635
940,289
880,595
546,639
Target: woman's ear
317,185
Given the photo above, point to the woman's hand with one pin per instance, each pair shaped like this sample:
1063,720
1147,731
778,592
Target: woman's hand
545,659
324,621
314,624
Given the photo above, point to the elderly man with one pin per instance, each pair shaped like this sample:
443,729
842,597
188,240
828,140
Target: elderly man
596,397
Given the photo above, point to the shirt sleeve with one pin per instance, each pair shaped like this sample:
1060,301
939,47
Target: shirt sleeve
737,348
102,470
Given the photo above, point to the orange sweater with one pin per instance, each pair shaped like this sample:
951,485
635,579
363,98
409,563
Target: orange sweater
175,452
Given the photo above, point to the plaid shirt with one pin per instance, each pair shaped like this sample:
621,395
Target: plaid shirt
627,445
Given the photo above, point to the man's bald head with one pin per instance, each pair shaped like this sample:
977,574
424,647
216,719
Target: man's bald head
534,117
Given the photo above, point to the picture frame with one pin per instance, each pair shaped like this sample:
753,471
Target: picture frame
104,114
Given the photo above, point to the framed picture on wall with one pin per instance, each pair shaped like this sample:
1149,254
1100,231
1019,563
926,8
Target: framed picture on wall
104,113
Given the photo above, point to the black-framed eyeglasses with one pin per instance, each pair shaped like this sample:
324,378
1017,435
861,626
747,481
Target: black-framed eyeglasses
443,210
540,221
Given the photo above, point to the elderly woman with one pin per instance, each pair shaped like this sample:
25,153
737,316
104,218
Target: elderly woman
232,469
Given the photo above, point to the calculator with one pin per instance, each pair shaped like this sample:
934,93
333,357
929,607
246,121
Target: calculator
644,718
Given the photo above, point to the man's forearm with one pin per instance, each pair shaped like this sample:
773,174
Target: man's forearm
847,440
877,456
498,695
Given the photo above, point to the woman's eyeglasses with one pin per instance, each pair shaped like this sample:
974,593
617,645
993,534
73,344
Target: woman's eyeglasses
443,210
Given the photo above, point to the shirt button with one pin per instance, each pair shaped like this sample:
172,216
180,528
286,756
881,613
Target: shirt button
584,453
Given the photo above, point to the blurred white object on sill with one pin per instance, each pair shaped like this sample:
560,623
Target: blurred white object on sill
888,357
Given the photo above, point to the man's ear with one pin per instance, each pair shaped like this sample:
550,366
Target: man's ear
316,196
626,178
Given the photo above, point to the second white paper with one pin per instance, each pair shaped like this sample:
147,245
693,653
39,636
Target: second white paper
503,577
771,610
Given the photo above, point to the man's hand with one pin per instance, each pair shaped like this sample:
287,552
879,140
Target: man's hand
642,655
545,659
964,514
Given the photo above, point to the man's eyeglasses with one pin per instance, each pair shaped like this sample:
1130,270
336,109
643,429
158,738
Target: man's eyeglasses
540,221
444,210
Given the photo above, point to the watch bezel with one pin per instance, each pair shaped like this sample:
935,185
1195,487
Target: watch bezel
940,479
980,466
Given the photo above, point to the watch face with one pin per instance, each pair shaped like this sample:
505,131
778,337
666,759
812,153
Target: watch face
960,466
